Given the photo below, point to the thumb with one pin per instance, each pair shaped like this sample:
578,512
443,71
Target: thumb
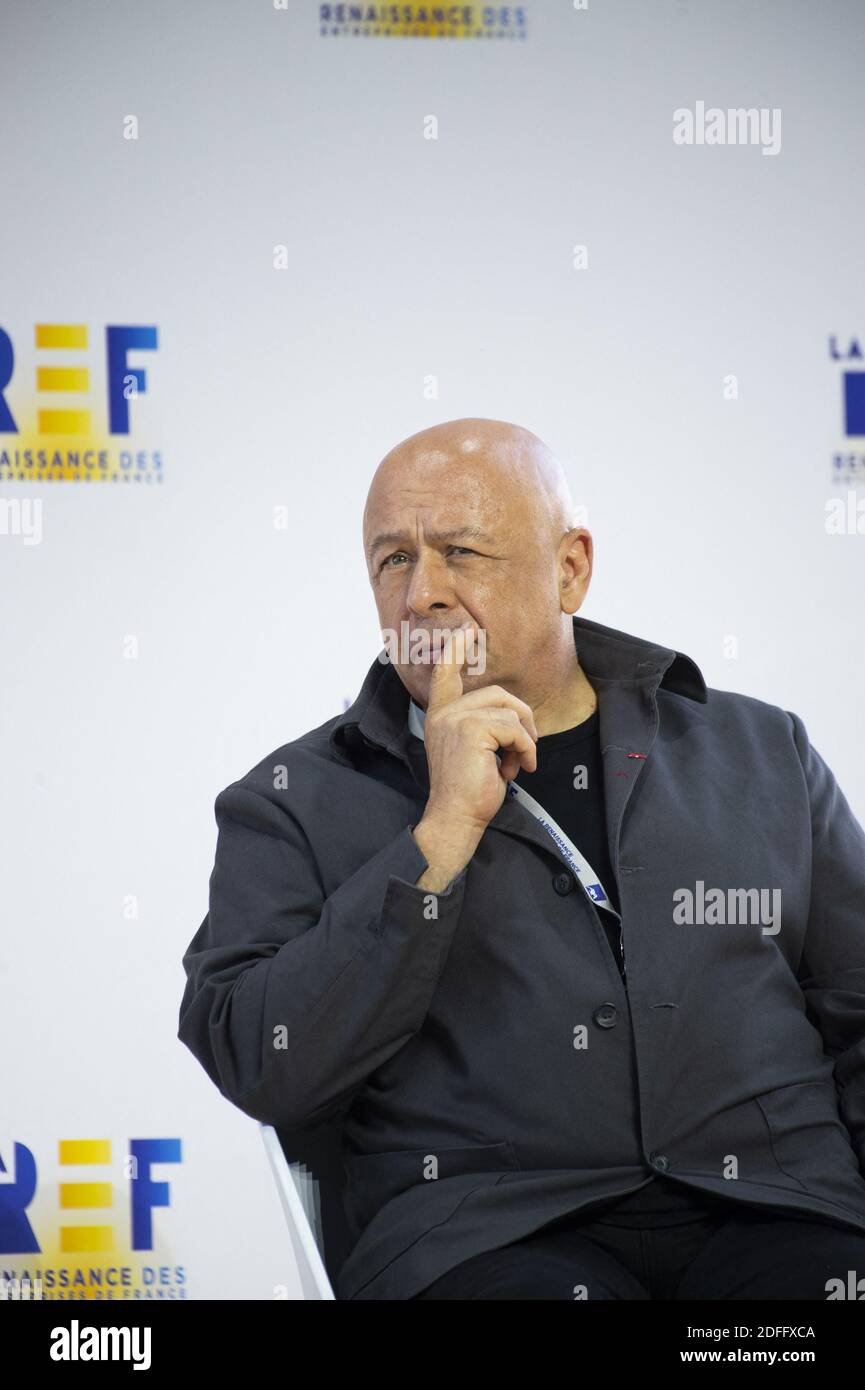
446,682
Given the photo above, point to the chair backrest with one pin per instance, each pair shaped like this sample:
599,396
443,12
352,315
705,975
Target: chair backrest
308,1168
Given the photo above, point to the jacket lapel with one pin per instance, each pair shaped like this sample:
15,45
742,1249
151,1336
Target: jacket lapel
629,721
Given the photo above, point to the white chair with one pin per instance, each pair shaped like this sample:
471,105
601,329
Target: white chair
300,1194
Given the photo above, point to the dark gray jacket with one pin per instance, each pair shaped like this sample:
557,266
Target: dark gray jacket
493,1070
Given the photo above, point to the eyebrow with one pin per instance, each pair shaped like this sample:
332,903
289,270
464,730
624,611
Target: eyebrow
458,534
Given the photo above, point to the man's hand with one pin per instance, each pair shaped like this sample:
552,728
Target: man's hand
462,734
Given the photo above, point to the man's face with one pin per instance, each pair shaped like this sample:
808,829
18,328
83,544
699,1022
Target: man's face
453,547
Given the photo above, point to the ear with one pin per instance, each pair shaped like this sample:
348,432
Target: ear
575,568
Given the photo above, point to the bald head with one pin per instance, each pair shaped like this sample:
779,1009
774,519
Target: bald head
488,459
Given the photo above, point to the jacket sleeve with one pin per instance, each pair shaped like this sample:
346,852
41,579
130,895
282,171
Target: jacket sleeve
292,999
832,969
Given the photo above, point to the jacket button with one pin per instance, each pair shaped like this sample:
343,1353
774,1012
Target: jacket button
607,1016
660,1162
563,883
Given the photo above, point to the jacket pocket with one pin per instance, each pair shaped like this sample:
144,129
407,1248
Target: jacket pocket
807,1134
374,1179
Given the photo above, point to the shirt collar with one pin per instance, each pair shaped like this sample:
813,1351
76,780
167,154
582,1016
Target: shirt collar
416,719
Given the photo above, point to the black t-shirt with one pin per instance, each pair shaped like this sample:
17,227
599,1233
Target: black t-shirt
569,784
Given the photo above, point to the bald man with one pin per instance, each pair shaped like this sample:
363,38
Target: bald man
562,950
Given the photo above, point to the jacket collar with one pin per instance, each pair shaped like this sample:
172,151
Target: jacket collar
379,715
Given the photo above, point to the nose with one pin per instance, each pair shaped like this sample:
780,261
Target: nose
431,586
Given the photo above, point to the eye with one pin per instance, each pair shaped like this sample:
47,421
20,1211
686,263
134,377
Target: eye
385,564
396,554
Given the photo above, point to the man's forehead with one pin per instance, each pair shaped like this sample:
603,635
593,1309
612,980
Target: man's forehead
443,499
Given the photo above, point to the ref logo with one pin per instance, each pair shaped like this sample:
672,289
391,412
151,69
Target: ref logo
82,1194
853,385
848,461
69,403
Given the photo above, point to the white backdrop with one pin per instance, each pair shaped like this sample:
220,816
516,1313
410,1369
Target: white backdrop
163,636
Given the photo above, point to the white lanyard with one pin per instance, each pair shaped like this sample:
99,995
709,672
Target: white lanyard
577,862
